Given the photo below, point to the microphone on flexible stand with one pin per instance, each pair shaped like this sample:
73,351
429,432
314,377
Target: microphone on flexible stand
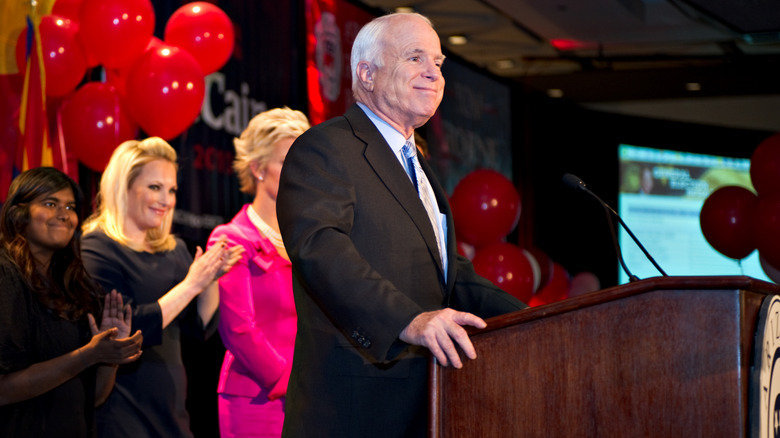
576,183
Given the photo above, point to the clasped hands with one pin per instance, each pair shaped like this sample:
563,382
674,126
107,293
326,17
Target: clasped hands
440,330
215,262
111,342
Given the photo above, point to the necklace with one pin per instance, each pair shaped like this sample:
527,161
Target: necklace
274,236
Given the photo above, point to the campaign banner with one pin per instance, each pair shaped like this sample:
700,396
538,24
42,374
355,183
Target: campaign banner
266,70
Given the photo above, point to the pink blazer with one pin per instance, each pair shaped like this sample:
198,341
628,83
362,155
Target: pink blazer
257,315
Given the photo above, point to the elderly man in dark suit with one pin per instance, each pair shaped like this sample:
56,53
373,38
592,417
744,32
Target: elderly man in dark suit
378,282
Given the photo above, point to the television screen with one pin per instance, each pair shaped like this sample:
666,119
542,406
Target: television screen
660,195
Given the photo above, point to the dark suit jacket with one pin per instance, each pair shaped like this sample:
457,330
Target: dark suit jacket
365,264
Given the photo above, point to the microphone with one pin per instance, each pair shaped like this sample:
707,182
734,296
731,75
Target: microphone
576,183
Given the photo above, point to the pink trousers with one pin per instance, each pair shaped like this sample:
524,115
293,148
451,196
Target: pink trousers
241,417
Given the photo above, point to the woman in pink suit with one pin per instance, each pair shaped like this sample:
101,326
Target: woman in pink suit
257,311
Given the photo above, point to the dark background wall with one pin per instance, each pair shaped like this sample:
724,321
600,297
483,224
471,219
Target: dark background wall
559,138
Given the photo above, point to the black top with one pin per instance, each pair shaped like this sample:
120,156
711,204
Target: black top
149,395
29,334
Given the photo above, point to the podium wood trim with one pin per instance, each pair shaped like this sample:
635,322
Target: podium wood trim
665,356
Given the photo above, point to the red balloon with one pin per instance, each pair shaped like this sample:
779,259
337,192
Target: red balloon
63,59
116,32
118,79
536,301
767,229
765,166
203,30
118,76
485,207
91,60
507,267
153,44
94,123
67,8
726,220
70,10
165,90
557,289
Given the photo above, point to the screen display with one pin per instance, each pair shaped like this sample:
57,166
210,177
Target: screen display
660,197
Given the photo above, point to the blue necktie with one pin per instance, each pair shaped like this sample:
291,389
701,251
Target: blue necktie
421,185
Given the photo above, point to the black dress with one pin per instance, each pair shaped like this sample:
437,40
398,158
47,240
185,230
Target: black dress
29,333
148,399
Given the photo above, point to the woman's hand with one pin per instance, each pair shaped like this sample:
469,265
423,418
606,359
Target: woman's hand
204,270
116,314
111,342
105,347
207,265
234,254
214,263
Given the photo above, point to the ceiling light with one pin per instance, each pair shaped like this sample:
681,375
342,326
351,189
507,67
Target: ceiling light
505,64
555,93
457,40
404,9
567,44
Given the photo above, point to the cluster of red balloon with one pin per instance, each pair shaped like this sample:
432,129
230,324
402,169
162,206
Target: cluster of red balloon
486,208
735,221
157,85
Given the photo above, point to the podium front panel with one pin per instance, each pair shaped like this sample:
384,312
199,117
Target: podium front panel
661,363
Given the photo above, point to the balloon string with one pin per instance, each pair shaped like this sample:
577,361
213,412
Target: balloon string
61,139
116,119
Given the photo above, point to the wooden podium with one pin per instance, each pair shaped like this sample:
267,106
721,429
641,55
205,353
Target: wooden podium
662,357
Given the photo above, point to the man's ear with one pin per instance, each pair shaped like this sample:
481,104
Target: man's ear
365,74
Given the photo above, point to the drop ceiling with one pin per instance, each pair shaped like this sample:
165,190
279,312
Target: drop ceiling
627,55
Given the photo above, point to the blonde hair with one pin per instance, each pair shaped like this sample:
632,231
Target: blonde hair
123,168
256,143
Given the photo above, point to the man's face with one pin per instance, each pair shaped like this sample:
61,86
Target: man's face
409,86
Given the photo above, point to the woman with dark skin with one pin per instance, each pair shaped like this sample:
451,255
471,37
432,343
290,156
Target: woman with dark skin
56,364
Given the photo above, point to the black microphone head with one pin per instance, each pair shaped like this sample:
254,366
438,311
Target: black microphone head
573,182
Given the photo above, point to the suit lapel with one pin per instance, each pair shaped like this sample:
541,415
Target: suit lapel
387,168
